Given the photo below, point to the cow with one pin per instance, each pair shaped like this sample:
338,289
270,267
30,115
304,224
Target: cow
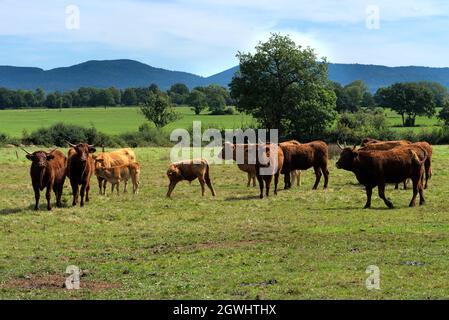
116,174
114,158
388,145
428,164
80,167
376,168
190,170
47,171
299,156
229,152
368,141
295,177
266,166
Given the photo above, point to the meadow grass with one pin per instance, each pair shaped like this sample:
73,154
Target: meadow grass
110,121
301,244
120,120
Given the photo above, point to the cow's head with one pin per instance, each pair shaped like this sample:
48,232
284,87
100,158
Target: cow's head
40,158
174,173
83,150
99,162
347,156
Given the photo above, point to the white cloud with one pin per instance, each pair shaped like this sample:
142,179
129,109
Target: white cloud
198,34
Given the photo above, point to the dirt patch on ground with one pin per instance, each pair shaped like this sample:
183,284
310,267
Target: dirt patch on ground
55,282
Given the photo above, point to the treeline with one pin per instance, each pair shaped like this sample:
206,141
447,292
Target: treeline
214,98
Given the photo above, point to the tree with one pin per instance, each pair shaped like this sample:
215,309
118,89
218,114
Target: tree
39,95
179,93
197,100
440,92
285,87
444,113
129,97
409,100
158,109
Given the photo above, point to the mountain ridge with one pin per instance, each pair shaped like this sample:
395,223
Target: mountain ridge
123,73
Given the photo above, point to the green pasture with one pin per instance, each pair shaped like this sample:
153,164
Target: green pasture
301,244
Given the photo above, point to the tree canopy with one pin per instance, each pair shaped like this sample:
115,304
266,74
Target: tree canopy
285,87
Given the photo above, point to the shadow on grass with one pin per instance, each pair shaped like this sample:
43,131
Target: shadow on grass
42,207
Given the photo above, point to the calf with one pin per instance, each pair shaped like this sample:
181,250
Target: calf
47,171
188,171
80,167
299,156
377,168
115,175
119,157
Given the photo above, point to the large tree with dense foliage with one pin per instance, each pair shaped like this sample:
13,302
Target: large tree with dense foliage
158,109
178,93
285,87
197,100
409,100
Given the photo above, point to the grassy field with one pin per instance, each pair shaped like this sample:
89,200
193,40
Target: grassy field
301,244
121,120
110,121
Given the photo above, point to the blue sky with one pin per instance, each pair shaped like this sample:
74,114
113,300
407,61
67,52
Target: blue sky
203,36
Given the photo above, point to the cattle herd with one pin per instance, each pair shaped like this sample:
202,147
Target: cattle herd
375,163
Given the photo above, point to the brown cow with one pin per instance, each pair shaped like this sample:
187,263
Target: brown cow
299,156
229,152
368,141
116,174
247,156
110,159
189,170
80,167
428,164
376,168
388,145
47,171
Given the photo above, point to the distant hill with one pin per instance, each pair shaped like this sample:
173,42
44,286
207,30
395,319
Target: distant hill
130,73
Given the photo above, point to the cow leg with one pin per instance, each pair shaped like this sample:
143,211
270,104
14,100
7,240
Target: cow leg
396,186
249,180
268,184
254,180
326,176
381,188
58,194
276,182
125,190
100,185
428,173
405,184
298,178
82,194
117,186
171,187
416,183
287,181
369,194
87,191
202,183
318,175
260,180
37,196
209,185
422,200
48,197
74,193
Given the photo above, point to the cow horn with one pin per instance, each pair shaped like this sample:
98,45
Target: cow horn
71,144
25,151
91,145
339,145
52,150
